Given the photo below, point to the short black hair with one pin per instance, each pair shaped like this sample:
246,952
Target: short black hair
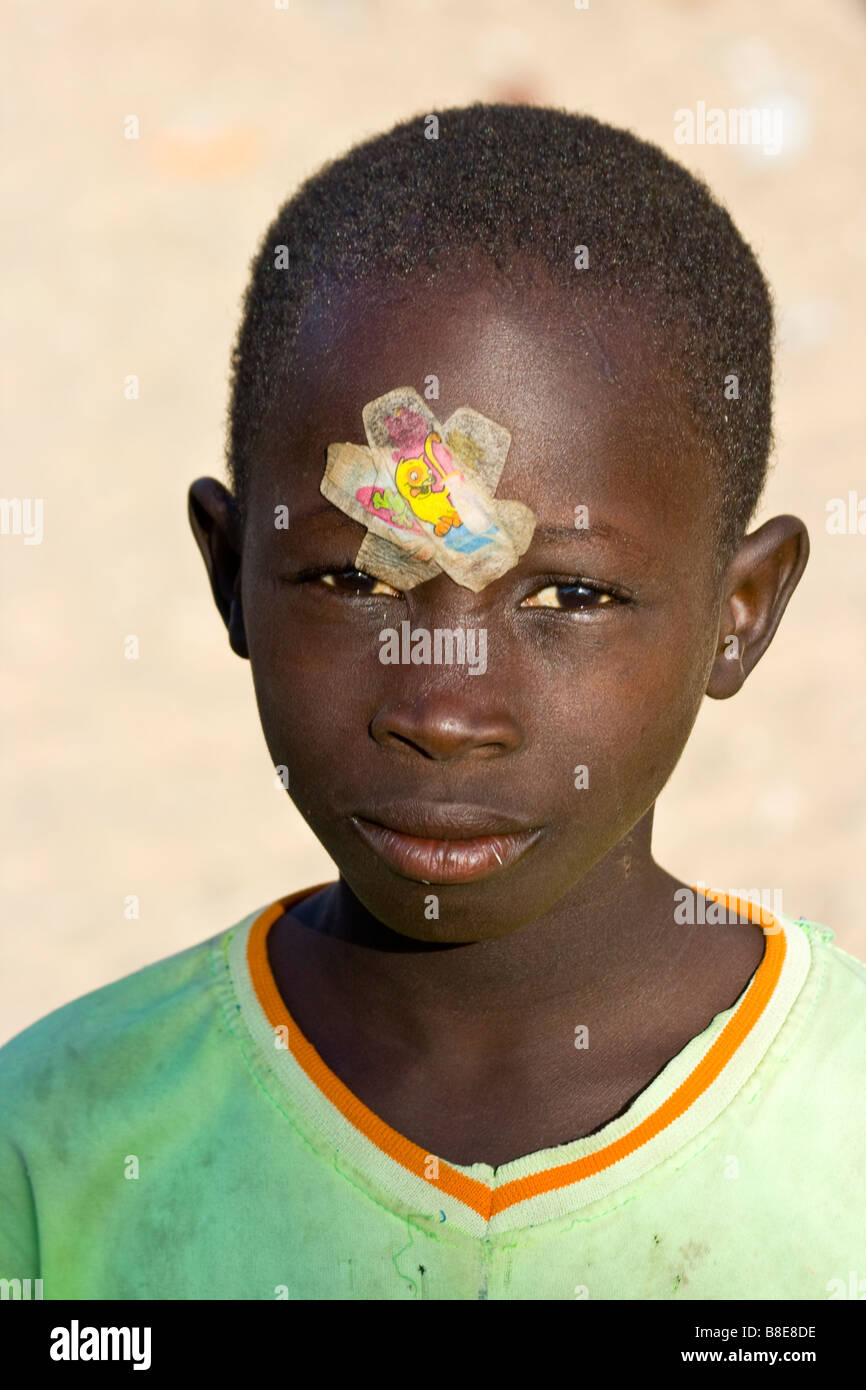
500,180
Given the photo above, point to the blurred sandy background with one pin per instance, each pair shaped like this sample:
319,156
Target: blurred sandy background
151,777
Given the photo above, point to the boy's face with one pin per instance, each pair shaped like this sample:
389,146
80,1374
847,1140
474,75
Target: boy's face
572,681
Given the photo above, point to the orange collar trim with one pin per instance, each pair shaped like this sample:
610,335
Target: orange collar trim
486,1201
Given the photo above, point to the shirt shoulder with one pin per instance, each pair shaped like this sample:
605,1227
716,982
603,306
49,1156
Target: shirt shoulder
105,1040
848,972
75,1084
825,1037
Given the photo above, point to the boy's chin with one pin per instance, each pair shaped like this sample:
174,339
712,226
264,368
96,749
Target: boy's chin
448,915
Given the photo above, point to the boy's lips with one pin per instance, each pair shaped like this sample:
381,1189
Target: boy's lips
444,844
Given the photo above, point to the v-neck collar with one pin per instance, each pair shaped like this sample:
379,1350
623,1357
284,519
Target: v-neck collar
685,1097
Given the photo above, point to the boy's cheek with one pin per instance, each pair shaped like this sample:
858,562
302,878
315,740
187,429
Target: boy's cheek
593,778
621,710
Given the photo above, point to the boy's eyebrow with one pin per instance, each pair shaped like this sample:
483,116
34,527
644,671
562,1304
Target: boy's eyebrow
601,530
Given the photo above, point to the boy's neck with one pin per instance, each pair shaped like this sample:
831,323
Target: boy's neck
610,952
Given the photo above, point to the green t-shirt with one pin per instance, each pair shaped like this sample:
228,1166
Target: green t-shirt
174,1136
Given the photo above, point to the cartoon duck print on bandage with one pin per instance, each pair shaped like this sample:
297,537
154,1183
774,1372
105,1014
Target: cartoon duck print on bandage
425,493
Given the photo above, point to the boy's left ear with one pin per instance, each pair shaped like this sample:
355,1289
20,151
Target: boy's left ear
758,582
216,525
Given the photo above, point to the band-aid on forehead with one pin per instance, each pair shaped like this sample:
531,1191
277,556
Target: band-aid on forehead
424,491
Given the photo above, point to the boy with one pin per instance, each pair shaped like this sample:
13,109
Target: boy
483,387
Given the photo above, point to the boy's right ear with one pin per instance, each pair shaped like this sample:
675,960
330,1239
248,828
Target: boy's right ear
216,525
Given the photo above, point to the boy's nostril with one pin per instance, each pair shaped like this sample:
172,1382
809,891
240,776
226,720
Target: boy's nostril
439,730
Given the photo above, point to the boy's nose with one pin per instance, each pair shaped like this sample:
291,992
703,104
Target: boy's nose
442,726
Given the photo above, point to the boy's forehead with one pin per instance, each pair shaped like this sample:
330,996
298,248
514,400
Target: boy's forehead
580,387
462,342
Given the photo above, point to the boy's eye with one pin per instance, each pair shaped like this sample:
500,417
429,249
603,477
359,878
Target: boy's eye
357,582
569,596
